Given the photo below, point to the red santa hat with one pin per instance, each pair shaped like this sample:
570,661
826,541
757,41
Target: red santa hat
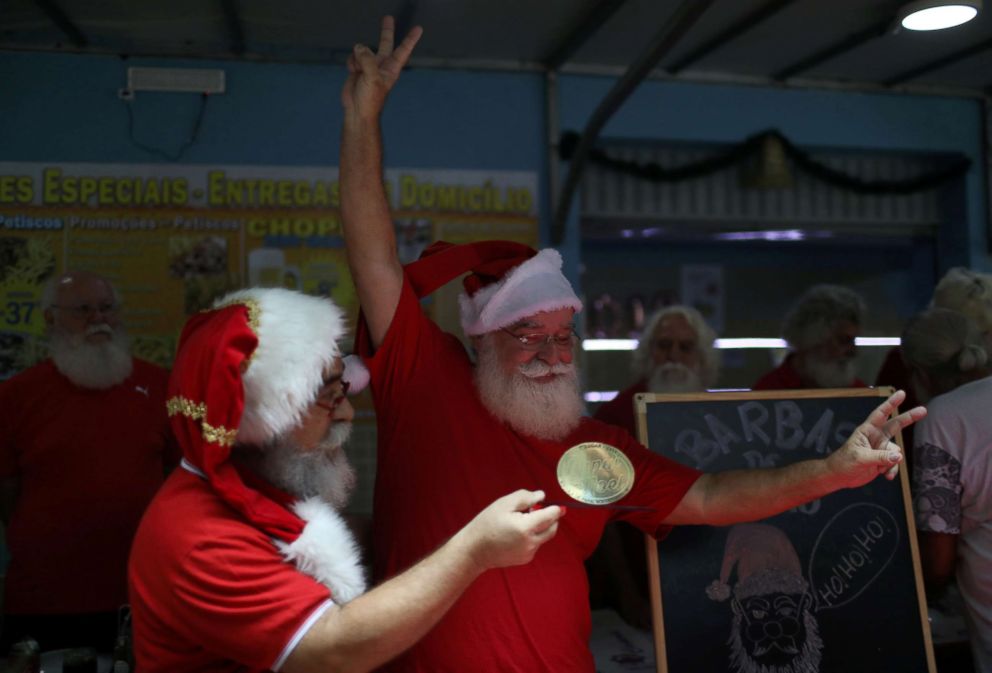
245,373
766,563
506,282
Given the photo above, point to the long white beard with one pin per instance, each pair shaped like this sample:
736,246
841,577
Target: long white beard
547,410
322,471
806,661
830,373
92,365
674,377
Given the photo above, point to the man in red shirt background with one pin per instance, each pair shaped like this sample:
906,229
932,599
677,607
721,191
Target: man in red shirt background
676,354
84,445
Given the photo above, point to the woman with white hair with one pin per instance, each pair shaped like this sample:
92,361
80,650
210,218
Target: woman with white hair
963,290
944,349
952,464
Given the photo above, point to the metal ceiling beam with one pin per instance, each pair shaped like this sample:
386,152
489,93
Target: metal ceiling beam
939,63
587,27
732,32
235,29
674,30
846,44
64,23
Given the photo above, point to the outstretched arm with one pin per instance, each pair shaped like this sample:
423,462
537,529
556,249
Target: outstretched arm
378,625
370,241
724,498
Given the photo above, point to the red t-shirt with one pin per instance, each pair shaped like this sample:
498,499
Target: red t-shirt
785,377
620,410
88,463
442,458
210,592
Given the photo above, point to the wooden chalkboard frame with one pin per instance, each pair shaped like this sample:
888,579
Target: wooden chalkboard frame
641,402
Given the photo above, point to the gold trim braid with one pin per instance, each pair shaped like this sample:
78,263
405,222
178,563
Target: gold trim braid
198,411
254,315
186,407
254,311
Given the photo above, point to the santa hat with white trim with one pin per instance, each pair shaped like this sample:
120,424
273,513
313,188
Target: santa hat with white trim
524,287
245,373
506,283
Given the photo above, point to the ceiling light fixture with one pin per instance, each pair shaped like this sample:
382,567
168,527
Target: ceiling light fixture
937,14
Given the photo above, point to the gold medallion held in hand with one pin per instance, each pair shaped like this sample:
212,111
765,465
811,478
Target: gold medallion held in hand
595,473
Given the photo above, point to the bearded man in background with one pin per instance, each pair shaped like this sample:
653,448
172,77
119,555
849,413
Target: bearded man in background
84,445
821,329
676,354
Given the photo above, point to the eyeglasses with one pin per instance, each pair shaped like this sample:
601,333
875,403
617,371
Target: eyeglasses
668,345
535,342
89,310
331,400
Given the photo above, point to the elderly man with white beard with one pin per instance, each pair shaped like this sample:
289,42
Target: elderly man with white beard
675,354
452,434
84,445
820,329
242,561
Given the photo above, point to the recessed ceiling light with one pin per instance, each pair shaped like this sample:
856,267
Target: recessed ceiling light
937,14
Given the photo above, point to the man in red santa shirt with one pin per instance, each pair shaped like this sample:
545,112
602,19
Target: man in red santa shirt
452,433
84,445
242,562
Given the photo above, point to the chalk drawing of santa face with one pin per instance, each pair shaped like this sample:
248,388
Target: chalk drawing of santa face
773,628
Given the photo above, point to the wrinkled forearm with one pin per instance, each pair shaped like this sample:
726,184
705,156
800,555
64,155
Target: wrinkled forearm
379,625
735,496
370,240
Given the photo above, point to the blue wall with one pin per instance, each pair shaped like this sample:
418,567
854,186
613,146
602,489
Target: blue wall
812,119
56,107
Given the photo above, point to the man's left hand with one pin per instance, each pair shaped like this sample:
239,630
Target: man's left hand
870,451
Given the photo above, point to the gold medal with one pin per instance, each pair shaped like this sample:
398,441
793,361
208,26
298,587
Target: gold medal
595,473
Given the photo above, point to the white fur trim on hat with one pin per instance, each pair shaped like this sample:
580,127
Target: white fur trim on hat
298,339
536,286
326,550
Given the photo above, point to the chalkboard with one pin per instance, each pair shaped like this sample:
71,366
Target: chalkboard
833,585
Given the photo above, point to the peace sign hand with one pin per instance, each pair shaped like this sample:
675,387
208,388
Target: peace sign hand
372,75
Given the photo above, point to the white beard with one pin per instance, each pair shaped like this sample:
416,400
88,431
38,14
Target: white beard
806,661
830,373
97,366
674,377
323,471
548,410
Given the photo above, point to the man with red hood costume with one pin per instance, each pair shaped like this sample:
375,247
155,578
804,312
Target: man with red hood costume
453,432
242,562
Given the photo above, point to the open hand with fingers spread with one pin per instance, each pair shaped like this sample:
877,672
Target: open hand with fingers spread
511,530
870,451
372,74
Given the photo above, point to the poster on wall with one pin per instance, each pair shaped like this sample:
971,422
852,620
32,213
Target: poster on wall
173,238
702,288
